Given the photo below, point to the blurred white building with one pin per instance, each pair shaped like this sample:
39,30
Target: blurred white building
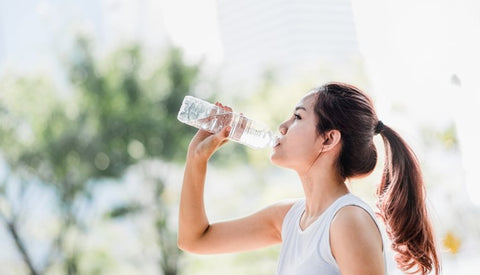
284,35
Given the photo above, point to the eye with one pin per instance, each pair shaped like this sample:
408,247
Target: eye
297,116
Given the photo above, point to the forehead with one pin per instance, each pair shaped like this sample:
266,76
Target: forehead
308,101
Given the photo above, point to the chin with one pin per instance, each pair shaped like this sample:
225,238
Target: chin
272,159
278,161
275,160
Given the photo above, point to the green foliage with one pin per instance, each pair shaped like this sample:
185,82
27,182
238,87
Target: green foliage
129,113
120,111
123,210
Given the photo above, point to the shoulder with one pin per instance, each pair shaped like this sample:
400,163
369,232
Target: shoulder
352,214
353,218
355,235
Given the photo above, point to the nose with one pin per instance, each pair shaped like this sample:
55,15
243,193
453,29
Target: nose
283,128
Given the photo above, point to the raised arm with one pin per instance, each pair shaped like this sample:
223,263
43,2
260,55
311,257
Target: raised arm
196,234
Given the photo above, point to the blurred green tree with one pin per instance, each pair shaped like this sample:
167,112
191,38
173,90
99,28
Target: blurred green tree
118,114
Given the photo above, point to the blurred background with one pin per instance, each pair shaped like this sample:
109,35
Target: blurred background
91,152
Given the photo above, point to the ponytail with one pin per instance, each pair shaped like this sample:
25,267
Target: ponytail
401,201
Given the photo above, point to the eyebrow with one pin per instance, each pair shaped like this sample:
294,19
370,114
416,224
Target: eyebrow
300,108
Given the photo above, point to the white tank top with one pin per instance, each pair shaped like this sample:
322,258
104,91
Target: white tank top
308,252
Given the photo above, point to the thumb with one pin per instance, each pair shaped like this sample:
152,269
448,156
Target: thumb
223,134
216,140
226,133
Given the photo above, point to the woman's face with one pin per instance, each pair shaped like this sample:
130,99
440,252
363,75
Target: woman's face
299,144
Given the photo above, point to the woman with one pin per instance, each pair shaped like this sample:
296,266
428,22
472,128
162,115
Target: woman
327,140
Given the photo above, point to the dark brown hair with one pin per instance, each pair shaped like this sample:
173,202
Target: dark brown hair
401,193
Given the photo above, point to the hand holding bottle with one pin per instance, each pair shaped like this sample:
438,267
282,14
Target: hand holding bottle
205,143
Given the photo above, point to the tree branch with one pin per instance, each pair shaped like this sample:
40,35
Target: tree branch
20,245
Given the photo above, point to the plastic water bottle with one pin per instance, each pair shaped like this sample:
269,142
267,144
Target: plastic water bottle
207,116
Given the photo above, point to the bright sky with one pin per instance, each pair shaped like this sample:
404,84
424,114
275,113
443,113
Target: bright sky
34,32
194,25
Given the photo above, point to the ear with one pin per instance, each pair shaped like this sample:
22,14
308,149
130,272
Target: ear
331,139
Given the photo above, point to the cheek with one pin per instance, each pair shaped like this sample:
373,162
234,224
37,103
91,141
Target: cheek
305,154
299,149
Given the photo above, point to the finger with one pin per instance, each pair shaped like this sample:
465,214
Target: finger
218,104
223,134
217,140
225,107
226,133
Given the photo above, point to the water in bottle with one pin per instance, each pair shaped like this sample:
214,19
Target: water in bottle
207,116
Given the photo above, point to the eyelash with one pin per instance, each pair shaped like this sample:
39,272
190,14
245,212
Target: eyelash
297,116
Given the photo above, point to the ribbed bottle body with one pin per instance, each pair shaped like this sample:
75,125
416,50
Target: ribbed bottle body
207,116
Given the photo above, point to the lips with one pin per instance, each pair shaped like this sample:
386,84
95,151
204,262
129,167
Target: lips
277,143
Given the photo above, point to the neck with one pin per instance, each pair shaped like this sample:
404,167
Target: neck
322,186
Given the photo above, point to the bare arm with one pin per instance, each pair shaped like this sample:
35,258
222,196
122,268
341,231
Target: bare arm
196,234
356,242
